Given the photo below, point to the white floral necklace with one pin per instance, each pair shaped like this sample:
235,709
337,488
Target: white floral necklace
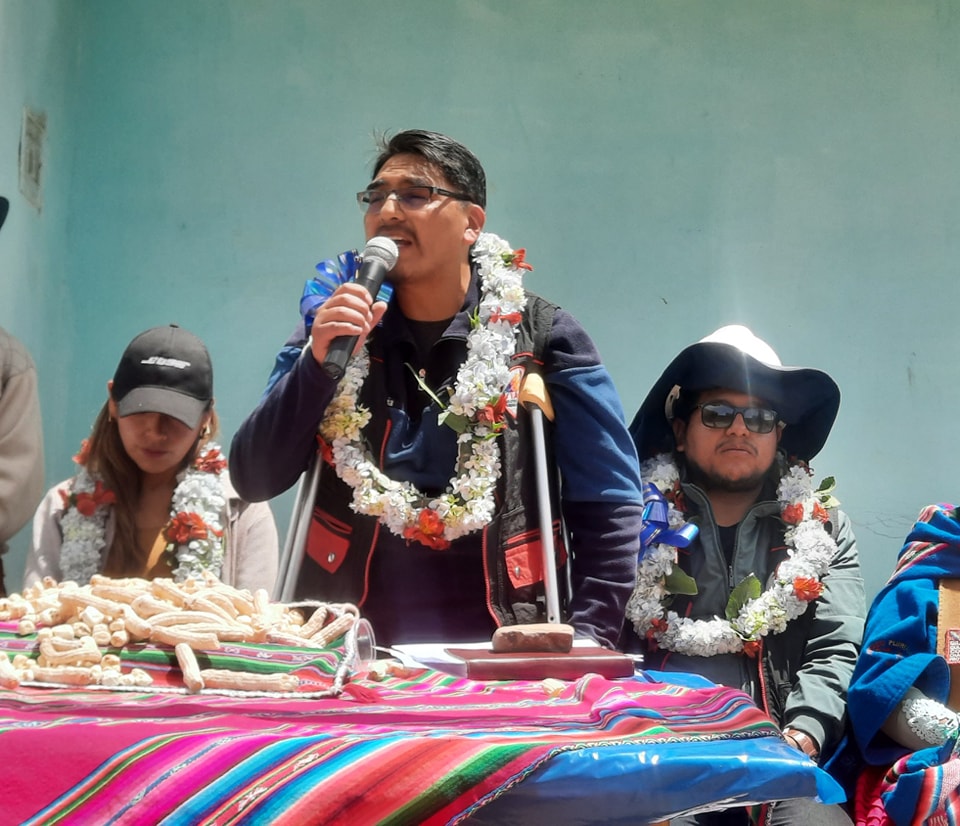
194,532
751,614
476,410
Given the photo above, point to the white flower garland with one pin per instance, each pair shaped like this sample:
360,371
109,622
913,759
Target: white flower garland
468,503
795,583
198,502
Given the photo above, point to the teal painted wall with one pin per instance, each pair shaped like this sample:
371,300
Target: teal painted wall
671,166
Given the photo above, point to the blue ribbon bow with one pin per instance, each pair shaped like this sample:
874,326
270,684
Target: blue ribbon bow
331,274
656,525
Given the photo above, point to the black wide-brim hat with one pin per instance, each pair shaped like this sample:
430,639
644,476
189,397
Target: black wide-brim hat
806,399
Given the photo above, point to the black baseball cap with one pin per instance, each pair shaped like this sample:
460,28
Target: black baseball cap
165,370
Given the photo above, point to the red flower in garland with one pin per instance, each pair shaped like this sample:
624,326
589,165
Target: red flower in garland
510,318
493,413
807,588
676,498
185,527
211,461
793,514
517,259
657,626
428,530
820,513
87,502
751,648
326,450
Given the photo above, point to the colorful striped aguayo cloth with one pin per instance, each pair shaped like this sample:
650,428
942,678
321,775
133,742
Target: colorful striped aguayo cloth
424,748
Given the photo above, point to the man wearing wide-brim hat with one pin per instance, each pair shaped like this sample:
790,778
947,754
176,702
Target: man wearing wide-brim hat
751,577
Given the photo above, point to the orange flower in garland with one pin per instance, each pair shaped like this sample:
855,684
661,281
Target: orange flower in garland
793,513
211,461
676,498
326,450
807,588
751,648
657,626
428,531
87,502
517,258
185,527
493,414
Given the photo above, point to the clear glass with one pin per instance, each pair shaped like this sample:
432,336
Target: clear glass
366,643
409,197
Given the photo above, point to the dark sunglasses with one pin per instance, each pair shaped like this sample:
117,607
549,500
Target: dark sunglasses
721,415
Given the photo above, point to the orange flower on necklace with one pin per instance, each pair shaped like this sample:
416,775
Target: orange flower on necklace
658,625
326,451
793,513
820,513
676,498
493,413
807,588
751,648
185,527
428,530
87,502
517,259
211,461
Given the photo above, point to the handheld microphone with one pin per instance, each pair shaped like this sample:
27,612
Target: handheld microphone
379,257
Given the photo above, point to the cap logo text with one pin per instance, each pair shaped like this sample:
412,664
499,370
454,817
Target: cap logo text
160,361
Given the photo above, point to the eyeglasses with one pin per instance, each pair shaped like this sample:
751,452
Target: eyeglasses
721,416
409,197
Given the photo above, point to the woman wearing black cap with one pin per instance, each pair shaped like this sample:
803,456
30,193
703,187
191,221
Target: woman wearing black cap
152,497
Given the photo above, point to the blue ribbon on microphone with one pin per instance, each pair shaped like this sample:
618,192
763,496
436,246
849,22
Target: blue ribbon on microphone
330,275
656,524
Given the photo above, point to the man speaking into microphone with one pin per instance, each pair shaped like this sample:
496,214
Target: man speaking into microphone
426,511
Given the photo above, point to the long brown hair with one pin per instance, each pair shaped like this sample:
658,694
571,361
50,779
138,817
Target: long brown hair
107,459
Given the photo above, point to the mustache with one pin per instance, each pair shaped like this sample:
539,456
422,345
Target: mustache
394,231
738,442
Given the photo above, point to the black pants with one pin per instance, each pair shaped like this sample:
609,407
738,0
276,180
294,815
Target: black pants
800,811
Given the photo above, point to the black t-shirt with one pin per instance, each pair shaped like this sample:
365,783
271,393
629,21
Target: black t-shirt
728,539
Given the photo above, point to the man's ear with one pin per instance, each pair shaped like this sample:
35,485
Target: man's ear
679,434
476,218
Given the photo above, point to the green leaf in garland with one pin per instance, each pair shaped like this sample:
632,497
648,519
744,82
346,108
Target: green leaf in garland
679,581
457,422
748,588
825,493
425,388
